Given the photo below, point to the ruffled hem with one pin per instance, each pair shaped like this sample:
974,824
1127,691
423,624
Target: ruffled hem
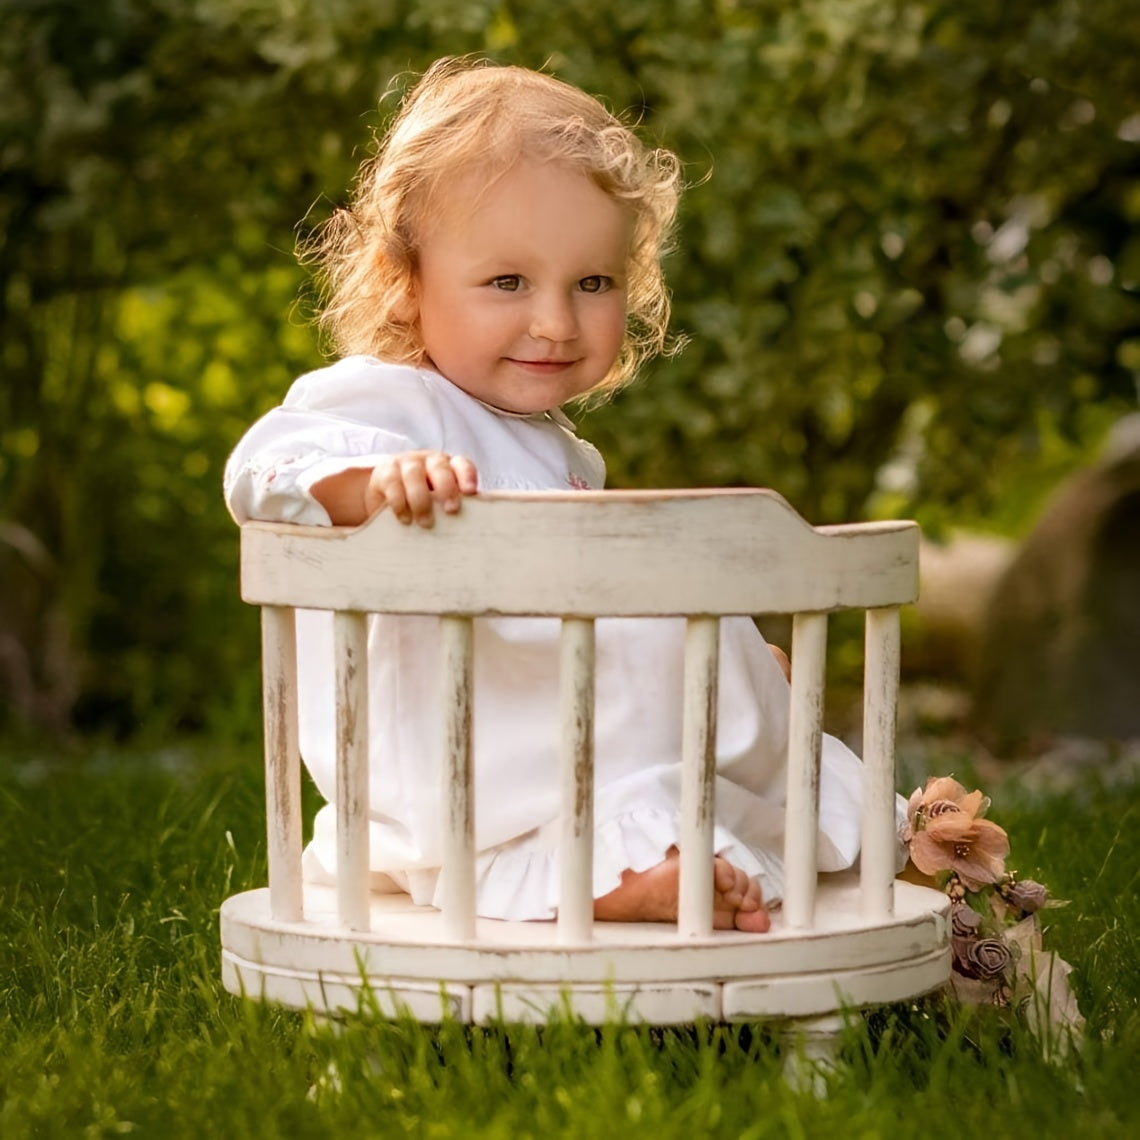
520,881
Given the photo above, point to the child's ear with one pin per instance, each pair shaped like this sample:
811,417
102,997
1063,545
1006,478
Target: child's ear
406,310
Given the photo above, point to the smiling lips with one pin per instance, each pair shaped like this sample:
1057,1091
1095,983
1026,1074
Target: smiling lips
543,366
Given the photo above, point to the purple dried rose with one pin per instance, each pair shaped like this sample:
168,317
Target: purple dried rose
1028,896
964,925
987,958
964,920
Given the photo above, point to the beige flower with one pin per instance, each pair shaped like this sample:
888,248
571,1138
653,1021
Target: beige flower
946,832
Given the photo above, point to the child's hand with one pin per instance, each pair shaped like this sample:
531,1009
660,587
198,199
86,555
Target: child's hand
412,483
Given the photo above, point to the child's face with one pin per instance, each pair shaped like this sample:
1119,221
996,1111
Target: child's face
522,299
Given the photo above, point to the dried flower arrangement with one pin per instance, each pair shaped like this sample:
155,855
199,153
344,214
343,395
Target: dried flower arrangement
998,959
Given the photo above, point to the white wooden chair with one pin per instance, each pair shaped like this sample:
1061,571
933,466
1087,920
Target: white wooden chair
843,940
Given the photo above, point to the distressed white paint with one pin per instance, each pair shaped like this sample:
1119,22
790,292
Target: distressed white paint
332,994
781,974
409,941
808,995
458,791
805,737
698,776
880,705
576,854
648,1003
613,552
698,554
282,761
350,648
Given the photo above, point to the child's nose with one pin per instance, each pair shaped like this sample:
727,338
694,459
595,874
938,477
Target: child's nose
553,318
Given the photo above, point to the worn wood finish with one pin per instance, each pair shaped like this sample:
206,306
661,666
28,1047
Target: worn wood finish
805,737
698,776
783,973
458,791
880,705
849,939
576,853
409,941
282,761
350,646
600,553
660,1003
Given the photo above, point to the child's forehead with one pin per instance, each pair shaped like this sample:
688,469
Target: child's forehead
535,211
457,200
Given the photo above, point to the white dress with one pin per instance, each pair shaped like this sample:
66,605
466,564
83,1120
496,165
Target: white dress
359,409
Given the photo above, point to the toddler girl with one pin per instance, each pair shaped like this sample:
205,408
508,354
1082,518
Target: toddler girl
501,258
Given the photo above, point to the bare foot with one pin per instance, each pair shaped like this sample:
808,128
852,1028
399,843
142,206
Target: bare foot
782,661
651,896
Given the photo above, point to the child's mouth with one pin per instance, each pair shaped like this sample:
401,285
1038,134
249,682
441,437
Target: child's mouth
543,367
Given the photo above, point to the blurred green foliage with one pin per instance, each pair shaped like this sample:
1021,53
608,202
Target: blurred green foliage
908,267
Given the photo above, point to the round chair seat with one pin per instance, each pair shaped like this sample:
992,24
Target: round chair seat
647,972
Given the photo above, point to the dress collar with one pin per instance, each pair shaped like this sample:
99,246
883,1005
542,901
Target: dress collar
553,415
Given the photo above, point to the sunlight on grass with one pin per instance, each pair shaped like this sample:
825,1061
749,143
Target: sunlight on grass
114,1020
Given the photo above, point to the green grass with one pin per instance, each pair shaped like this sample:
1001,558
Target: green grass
113,1019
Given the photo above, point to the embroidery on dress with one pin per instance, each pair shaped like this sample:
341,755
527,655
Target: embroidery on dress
577,482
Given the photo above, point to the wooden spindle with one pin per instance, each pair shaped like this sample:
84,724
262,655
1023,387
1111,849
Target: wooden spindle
805,737
458,871
350,646
698,776
282,762
880,710
576,854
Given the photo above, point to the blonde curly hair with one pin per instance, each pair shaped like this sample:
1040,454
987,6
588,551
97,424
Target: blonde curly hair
470,115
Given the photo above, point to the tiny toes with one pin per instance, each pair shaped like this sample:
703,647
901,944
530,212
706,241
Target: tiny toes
724,876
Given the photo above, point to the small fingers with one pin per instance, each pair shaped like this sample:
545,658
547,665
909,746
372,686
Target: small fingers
449,477
386,489
411,484
417,485
466,476
401,485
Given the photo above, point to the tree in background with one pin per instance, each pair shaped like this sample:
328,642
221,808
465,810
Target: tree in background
908,271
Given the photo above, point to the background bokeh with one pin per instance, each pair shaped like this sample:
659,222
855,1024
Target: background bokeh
908,267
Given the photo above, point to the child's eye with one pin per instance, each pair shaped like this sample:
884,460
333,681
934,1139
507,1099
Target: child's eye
596,284
509,282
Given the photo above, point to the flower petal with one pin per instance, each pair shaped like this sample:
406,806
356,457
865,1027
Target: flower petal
942,788
951,827
971,804
930,856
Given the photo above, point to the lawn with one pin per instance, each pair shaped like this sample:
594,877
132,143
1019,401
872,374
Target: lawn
112,1018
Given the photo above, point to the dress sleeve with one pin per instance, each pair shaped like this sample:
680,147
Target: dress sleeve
352,414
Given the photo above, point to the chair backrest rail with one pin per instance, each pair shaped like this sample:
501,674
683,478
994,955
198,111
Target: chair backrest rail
576,850
698,776
350,640
745,553
805,738
880,707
